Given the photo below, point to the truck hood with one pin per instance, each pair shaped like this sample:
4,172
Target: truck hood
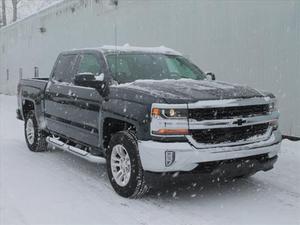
182,91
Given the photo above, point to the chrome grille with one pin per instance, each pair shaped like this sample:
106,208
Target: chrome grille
231,134
228,112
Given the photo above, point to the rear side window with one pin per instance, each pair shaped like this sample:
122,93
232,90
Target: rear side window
89,64
64,70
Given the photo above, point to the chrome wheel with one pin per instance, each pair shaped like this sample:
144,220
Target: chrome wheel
30,131
120,165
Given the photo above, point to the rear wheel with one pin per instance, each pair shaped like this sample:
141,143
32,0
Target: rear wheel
35,137
124,167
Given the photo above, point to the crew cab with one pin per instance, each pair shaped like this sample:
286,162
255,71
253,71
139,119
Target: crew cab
148,112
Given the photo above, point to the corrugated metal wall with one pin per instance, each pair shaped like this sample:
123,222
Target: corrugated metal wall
249,42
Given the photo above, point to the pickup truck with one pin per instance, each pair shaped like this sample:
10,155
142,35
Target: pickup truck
149,112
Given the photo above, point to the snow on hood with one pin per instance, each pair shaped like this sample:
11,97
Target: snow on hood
188,90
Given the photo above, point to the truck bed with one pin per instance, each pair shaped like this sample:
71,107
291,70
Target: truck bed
32,88
35,82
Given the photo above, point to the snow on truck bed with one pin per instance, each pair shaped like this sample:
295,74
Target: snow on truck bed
57,188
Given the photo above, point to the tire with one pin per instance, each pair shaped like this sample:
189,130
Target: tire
34,136
134,185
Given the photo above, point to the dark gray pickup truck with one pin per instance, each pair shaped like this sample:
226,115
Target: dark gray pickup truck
149,111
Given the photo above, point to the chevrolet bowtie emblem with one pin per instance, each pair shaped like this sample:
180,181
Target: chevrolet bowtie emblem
239,122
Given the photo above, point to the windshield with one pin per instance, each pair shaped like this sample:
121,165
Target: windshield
128,67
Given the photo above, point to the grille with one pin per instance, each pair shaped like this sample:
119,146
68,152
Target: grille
232,134
228,112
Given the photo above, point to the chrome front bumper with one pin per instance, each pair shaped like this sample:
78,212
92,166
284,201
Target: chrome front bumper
187,156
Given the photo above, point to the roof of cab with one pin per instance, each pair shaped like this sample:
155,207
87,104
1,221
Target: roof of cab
126,49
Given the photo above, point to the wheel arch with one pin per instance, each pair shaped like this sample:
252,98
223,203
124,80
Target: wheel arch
27,106
31,105
112,125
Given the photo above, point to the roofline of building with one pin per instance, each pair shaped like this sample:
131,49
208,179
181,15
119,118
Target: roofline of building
43,10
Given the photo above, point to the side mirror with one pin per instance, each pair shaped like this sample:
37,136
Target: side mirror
210,76
93,81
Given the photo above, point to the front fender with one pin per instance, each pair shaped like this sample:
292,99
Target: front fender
134,113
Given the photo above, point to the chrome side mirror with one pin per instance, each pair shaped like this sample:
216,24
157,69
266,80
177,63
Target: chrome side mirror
210,76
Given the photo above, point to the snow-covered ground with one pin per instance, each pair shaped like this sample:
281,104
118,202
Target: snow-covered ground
55,187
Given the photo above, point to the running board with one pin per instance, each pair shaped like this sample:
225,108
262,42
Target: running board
75,151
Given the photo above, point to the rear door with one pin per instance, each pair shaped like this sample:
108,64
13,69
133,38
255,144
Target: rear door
61,112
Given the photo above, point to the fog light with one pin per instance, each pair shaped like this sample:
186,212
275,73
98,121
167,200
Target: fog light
169,158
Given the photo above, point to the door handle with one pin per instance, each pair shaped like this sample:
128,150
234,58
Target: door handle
72,94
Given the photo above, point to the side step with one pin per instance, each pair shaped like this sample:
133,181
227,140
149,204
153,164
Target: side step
75,151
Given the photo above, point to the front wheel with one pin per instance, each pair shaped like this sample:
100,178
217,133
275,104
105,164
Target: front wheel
124,167
35,137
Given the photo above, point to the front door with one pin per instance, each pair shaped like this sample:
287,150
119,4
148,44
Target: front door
88,100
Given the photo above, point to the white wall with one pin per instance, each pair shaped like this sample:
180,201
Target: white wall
249,42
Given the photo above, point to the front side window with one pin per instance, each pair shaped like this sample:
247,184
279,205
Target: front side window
89,64
64,68
128,67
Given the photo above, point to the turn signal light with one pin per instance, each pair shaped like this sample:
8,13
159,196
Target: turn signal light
155,112
172,132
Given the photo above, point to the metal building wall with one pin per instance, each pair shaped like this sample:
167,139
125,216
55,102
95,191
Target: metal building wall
248,42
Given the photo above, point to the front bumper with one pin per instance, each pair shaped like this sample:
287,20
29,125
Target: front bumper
224,169
188,157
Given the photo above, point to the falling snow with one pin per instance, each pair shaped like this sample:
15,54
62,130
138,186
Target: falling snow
78,192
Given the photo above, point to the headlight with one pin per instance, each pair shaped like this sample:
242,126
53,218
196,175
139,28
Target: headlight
175,113
169,113
273,106
167,121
